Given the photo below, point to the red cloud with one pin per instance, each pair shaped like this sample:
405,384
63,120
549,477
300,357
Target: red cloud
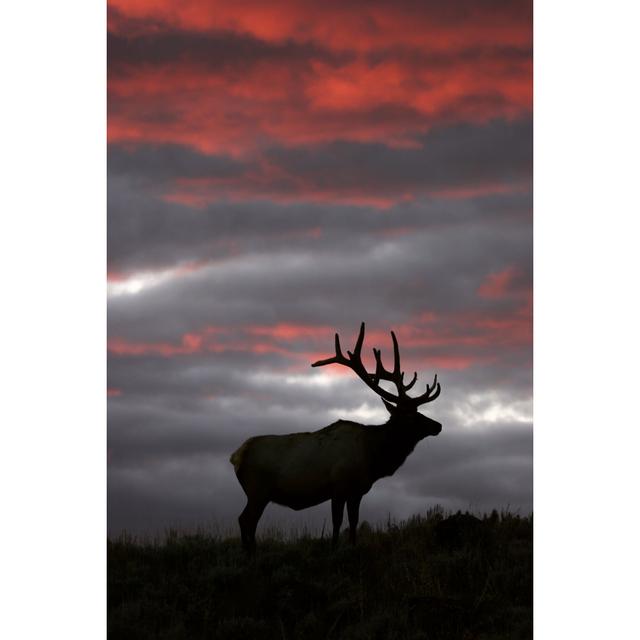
347,25
497,285
427,341
474,191
287,331
189,343
362,102
370,71
123,347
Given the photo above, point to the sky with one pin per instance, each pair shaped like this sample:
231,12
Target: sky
279,171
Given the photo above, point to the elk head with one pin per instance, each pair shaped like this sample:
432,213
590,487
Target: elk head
402,407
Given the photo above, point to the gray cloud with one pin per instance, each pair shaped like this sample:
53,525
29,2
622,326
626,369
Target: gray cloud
221,51
146,231
446,157
178,418
183,399
328,284
471,469
151,165
172,430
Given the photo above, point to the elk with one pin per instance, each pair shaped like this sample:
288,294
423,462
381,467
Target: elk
340,462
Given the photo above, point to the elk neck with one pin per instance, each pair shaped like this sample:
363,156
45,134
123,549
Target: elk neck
389,446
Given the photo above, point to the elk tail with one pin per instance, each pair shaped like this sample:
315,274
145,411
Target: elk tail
238,455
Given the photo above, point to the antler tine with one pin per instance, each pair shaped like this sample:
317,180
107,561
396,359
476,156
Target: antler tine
396,366
337,359
353,360
397,375
413,381
432,392
357,350
380,370
360,341
396,356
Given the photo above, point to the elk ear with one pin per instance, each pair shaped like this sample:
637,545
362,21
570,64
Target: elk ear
390,407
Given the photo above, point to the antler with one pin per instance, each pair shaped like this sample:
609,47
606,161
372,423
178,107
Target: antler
353,360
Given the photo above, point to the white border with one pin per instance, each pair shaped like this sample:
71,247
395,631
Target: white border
586,319
52,469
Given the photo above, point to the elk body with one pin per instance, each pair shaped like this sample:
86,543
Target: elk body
340,462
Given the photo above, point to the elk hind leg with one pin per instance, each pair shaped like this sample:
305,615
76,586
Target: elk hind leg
337,512
353,512
248,523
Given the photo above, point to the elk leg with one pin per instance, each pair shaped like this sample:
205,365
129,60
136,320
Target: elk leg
353,511
248,523
337,511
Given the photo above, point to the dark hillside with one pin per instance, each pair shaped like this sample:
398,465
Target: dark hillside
429,577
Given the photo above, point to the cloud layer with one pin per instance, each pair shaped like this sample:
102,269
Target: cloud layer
281,171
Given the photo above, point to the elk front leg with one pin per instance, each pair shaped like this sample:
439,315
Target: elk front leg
248,523
337,512
353,511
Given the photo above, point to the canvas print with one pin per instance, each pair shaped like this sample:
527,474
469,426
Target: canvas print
319,319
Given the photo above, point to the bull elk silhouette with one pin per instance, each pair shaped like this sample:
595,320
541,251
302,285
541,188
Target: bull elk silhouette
340,462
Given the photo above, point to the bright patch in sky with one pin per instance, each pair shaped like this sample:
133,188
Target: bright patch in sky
269,380
364,413
491,409
318,380
140,281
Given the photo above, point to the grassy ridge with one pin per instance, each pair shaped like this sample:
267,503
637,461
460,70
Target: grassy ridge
427,578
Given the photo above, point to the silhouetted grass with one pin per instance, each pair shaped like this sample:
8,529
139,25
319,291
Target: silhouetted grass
427,578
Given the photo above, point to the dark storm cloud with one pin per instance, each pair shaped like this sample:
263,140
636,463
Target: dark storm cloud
140,44
478,470
147,231
453,156
132,41
474,469
445,157
151,499
152,165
